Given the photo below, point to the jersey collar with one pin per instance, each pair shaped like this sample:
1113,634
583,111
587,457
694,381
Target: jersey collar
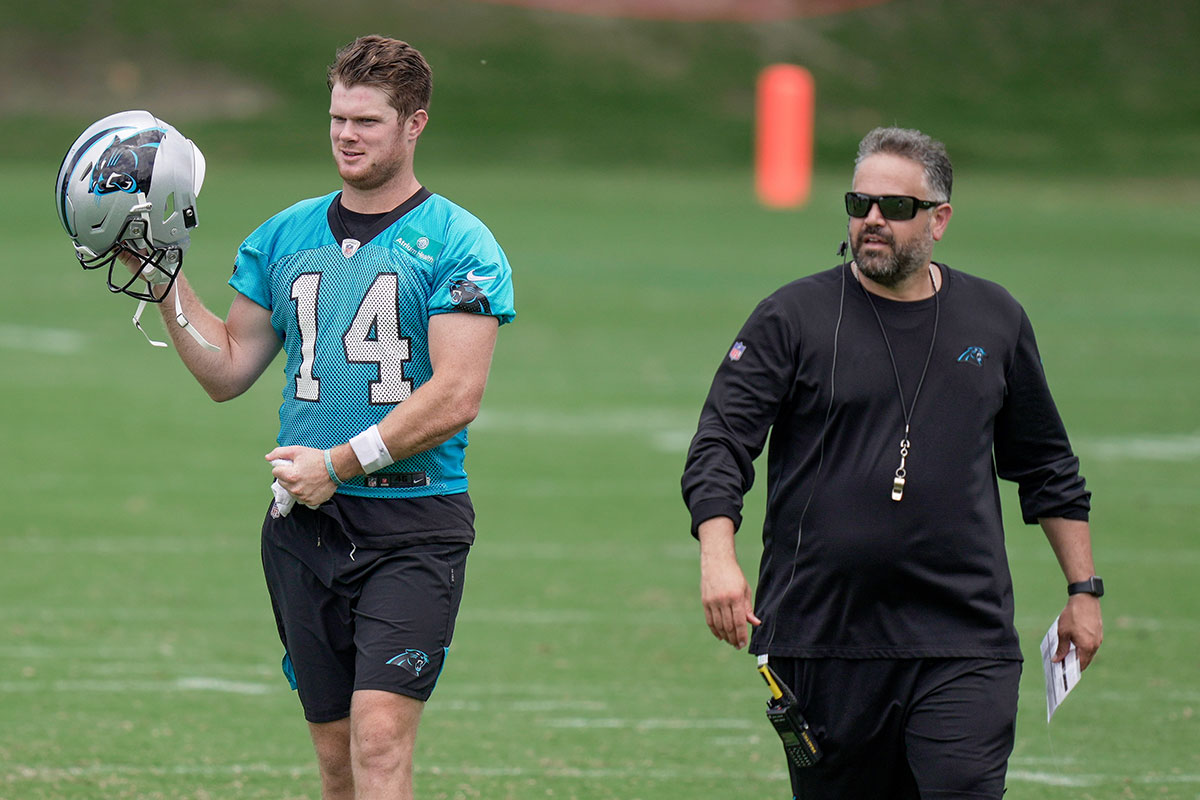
341,233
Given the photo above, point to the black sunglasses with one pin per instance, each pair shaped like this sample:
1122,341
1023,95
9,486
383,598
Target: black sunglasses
891,206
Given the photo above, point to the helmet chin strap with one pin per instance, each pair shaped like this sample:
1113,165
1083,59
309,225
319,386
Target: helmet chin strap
180,319
156,277
137,323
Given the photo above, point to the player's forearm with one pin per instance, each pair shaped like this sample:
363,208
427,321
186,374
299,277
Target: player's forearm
224,373
210,368
434,413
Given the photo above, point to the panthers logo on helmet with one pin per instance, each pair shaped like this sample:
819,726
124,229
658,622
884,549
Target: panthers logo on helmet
412,660
128,164
467,296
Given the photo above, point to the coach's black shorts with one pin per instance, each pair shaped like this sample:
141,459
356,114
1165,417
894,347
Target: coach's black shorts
905,729
358,605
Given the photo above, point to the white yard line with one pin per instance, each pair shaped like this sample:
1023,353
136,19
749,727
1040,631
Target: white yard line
1145,447
48,774
653,724
191,684
52,341
1053,779
521,616
599,422
118,546
670,430
20,772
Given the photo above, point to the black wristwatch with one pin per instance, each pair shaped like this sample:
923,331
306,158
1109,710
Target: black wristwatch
1092,585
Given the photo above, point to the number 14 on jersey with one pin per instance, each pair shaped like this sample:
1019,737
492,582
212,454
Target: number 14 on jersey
373,337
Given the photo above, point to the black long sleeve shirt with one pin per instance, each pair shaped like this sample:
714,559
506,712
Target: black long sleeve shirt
871,577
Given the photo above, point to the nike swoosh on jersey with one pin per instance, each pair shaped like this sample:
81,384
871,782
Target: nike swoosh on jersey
471,276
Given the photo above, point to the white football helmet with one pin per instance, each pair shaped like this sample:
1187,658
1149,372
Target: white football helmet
128,185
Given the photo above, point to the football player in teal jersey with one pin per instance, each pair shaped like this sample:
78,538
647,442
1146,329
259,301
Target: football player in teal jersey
386,299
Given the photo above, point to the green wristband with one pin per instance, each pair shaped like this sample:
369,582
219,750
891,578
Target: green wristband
329,468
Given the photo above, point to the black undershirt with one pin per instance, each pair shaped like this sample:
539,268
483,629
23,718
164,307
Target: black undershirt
357,225
347,224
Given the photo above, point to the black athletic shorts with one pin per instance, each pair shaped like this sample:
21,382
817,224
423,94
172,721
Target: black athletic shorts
904,729
358,605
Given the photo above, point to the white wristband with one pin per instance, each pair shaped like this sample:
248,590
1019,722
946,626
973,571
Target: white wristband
372,453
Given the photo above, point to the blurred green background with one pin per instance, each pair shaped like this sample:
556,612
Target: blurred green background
612,158
1099,87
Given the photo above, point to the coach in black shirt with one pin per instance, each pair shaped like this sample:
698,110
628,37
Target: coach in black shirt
895,390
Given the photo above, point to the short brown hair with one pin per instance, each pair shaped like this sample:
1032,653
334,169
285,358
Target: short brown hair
394,66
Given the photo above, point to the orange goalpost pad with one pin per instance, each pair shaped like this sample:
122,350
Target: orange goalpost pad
784,136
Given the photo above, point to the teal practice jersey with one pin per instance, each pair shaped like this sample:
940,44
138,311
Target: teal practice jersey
354,321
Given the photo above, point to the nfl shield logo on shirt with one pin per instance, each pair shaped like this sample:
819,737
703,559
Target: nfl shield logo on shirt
350,247
735,352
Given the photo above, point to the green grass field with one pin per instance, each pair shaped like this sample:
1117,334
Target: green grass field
138,657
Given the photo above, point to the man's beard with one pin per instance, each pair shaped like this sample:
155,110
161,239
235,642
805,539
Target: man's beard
891,269
376,175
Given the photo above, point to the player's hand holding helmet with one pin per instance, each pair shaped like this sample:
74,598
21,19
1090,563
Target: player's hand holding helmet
128,185
126,195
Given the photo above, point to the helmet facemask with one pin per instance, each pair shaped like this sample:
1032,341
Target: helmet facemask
160,266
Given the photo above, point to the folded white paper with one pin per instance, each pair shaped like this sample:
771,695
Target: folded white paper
1061,677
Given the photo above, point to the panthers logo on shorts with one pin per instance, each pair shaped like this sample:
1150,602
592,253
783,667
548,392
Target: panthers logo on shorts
412,660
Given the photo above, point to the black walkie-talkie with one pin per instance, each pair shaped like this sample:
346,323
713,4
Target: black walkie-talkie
783,712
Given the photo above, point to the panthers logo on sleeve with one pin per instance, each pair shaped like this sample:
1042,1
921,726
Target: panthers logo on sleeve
467,296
